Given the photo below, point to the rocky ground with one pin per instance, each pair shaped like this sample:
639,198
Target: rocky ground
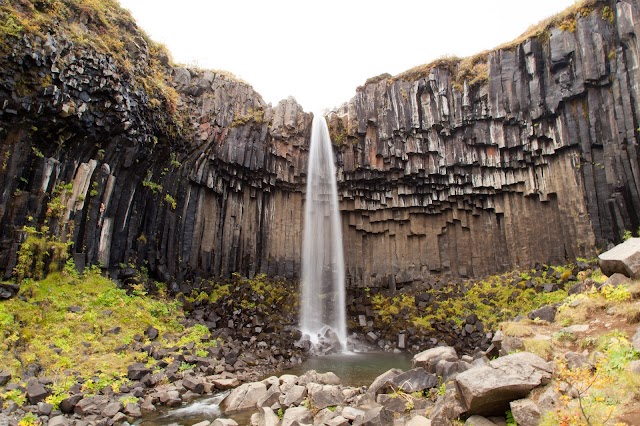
573,363
542,363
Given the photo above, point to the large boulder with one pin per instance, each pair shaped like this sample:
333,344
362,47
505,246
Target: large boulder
623,258
525,412
265,417
328,396
419,421
378,416
297,414
243,397
413,380
447,408
36,392
488,390
380,382
429,359
294,396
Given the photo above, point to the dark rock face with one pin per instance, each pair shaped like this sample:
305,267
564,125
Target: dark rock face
540,162
437,176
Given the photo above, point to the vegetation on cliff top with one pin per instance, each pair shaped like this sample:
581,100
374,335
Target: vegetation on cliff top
100,25
475,69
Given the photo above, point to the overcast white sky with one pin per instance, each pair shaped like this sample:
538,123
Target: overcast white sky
319,52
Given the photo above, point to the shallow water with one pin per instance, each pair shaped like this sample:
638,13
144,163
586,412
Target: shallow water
353,369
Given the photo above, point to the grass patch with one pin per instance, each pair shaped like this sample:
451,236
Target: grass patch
596,395
516,329
74,325
539,346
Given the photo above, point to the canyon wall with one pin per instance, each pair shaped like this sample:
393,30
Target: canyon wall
533,160
536,161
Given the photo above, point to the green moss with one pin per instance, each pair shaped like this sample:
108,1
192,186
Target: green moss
251,116
40,326
170,201
608,14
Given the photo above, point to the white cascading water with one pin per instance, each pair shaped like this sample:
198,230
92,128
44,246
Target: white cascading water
323,294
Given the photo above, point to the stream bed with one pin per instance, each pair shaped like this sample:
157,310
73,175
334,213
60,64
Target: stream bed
353,369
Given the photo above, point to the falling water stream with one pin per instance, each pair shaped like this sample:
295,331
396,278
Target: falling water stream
323,294
323,304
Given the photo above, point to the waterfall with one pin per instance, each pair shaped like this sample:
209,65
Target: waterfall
323,294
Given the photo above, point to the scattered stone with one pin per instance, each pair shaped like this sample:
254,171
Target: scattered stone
616,280
193,384
378,416
392,403
575,360
36,392
634,367
623,258
413,380
447,408
372,337
352,413
328,396
202,423
297,414
117,419
151,333
137,371
635,340
44,409
487,390
478,421
112,409
381,381
85,407
430,358
265,417
224,384
243,397
328,378
271,398
4,377
58,421
525,412
418,421
170,398
545,313
577,328
67,405
362,320
224,422
338,421
133,410
294,396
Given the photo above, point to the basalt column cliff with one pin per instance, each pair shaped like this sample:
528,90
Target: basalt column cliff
527,153
524,154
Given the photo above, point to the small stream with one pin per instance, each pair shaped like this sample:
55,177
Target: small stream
353,369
